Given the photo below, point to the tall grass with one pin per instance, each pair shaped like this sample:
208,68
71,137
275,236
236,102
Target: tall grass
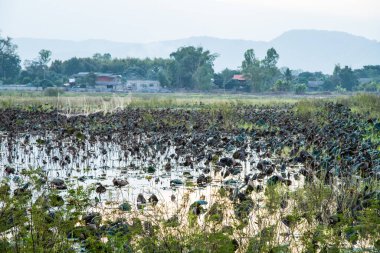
365,104
89,102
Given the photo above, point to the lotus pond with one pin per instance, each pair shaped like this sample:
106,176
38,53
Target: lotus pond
290,177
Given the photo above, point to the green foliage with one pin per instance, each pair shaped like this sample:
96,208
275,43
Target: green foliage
369,71
9,61
192,68
340,89
150,169
243,209
125,207
102,58
260,73
53,92
300,88
37,71
223,80
197,242
288,75
275,194
344,77
281,85
329,85
44,57
215,214
210,242
264,242
172,222
304,77
36,225
370,87
364,103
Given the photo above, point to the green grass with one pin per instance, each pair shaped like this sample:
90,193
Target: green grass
362,103
70,102
91,102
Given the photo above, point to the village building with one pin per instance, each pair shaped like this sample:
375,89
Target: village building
102,80
365,80
315,85
143,85
238,82
113,83
108,80
239,78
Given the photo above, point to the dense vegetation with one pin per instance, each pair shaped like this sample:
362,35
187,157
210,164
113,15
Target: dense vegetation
188,68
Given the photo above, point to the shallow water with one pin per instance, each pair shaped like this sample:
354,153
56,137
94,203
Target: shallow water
91,161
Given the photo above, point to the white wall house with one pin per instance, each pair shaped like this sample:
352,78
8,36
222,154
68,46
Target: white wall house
143,85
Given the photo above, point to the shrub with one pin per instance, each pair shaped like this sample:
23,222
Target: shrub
371,87
300,88
53,92
340,89
281,85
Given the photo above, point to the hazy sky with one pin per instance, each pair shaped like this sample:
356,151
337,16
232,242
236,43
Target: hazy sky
153,20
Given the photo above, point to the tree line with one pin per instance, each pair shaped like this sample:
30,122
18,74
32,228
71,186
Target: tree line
187,68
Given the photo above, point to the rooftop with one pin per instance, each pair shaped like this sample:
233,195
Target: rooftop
238,77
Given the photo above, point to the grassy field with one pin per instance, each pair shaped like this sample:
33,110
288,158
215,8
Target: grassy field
84,103
93,102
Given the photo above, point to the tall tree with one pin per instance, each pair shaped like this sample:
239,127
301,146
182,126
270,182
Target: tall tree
347,78
270,70
102,58
251,68
44,57
271,58
288,75
249,59
260,73
73,66
56,66
9,60
344,77
192,68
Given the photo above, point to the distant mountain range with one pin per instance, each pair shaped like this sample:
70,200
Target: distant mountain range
311,50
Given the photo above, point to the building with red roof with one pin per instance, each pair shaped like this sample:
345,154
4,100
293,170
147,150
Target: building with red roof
238,78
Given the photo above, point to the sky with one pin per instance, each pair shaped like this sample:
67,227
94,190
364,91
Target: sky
156,20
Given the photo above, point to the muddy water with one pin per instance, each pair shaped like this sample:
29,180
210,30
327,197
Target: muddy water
88,162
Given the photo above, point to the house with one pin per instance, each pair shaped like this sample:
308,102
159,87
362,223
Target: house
109,82
239,78
71,81
102,80
365,80
237,82
142,86
107,79
315,85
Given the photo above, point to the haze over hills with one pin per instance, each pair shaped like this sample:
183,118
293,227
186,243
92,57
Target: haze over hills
312,50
